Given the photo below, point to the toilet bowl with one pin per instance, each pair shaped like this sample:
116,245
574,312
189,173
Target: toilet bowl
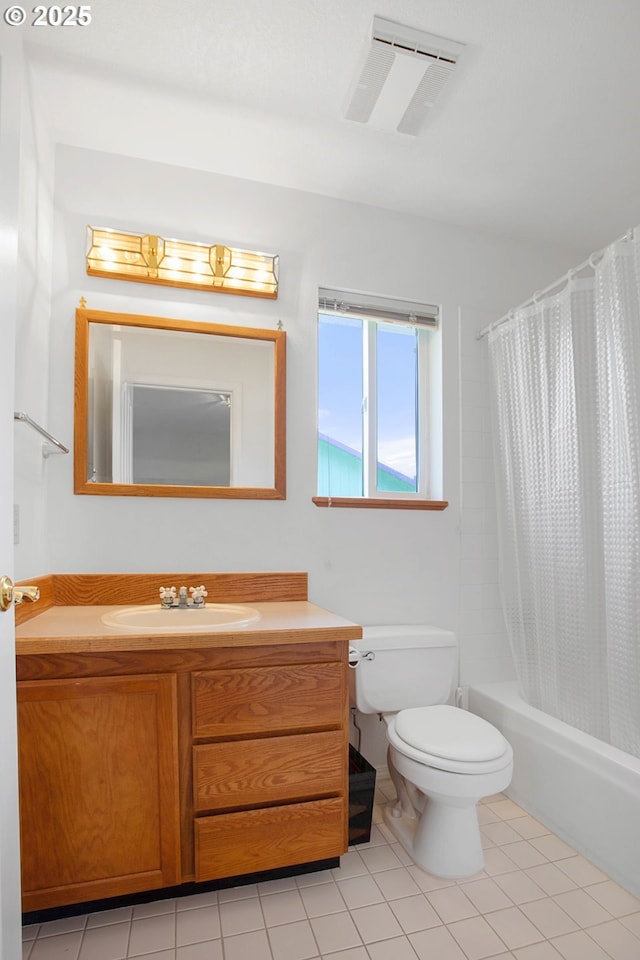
442,759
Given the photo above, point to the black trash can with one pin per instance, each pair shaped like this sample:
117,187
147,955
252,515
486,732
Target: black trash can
362,784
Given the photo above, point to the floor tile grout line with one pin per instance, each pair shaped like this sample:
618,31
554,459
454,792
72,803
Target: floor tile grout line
308,917
175,930
84,931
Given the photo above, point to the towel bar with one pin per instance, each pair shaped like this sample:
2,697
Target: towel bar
59,447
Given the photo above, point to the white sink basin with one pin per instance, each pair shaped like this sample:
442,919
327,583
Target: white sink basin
153,619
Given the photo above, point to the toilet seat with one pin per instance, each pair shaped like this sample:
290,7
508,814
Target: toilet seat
449,732
450,739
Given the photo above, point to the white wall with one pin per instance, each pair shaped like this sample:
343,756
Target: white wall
481,630
368,565
32,346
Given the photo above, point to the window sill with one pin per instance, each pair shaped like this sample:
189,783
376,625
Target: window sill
378,503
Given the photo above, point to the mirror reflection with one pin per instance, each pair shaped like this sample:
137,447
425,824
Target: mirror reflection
177,408
178,435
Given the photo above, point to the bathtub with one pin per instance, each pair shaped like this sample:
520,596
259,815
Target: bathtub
585,791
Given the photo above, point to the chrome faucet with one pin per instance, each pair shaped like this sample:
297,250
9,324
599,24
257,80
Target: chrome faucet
182,598
172,599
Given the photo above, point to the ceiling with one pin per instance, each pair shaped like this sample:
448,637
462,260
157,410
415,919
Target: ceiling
537,134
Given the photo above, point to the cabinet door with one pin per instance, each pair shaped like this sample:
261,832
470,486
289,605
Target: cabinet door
98,772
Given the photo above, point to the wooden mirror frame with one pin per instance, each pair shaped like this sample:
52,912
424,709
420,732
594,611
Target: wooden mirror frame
82,485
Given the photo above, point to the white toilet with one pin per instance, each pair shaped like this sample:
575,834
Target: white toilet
442,759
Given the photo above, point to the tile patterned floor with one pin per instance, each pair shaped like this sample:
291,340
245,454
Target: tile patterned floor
536,899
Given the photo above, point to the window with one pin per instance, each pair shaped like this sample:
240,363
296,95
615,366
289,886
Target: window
379,402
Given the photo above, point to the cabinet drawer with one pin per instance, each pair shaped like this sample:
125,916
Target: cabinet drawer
231,844
246,773
256,700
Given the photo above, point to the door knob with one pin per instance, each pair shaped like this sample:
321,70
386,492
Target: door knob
10,594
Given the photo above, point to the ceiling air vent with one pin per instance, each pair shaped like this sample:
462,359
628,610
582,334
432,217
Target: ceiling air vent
403,75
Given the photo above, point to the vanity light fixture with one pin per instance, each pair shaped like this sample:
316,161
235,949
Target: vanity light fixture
149,258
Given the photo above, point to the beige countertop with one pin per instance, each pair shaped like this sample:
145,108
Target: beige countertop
79,629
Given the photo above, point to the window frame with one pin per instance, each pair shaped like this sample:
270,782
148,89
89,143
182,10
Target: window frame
372,496
370,457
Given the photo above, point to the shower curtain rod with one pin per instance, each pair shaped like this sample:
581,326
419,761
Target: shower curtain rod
590,263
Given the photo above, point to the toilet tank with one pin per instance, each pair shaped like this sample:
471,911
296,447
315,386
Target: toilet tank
412,666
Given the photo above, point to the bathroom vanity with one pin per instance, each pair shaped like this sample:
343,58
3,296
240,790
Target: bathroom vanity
149,761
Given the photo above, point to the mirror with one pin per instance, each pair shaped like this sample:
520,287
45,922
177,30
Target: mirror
178,408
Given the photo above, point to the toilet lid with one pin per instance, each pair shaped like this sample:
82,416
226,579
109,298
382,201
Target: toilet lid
450,732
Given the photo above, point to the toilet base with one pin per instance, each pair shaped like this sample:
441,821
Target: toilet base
444,840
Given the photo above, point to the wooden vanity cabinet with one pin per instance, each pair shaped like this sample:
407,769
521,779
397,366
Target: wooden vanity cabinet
146,769
98,780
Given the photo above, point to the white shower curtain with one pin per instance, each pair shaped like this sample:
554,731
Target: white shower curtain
566,379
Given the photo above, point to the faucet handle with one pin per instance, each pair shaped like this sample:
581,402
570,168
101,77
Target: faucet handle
167,596
198,594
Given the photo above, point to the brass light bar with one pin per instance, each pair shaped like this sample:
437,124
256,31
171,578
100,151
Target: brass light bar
150,258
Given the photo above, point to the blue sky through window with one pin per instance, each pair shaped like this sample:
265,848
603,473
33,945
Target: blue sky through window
340,380
396,356
340,390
